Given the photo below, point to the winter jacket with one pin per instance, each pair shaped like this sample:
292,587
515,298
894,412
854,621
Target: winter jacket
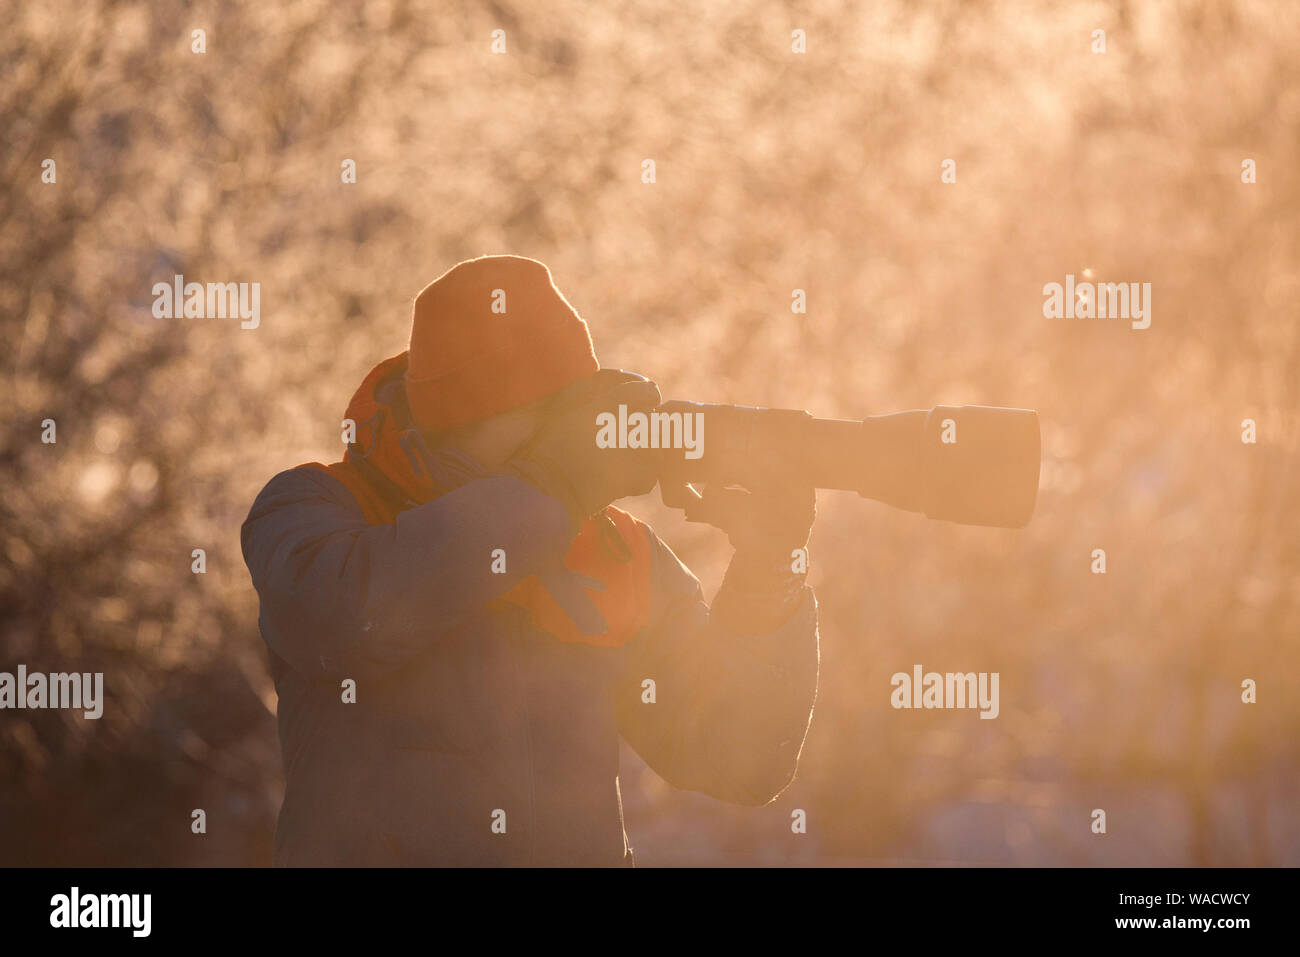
453,678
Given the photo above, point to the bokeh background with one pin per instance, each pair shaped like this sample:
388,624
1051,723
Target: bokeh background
775,171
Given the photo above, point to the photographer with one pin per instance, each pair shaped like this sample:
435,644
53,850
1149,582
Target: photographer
460,624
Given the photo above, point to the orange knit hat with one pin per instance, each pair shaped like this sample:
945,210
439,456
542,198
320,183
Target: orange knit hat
488,335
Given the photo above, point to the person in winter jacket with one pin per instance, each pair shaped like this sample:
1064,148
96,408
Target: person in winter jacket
460,625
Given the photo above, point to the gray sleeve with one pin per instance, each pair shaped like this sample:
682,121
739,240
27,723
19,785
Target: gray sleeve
731,710
342,596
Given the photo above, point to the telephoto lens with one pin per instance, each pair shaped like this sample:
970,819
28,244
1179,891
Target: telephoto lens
970,464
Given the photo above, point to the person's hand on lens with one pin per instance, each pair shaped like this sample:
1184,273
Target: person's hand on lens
563,459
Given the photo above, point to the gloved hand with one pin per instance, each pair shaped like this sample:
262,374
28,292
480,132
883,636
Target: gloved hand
563,459
764,584
767,523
